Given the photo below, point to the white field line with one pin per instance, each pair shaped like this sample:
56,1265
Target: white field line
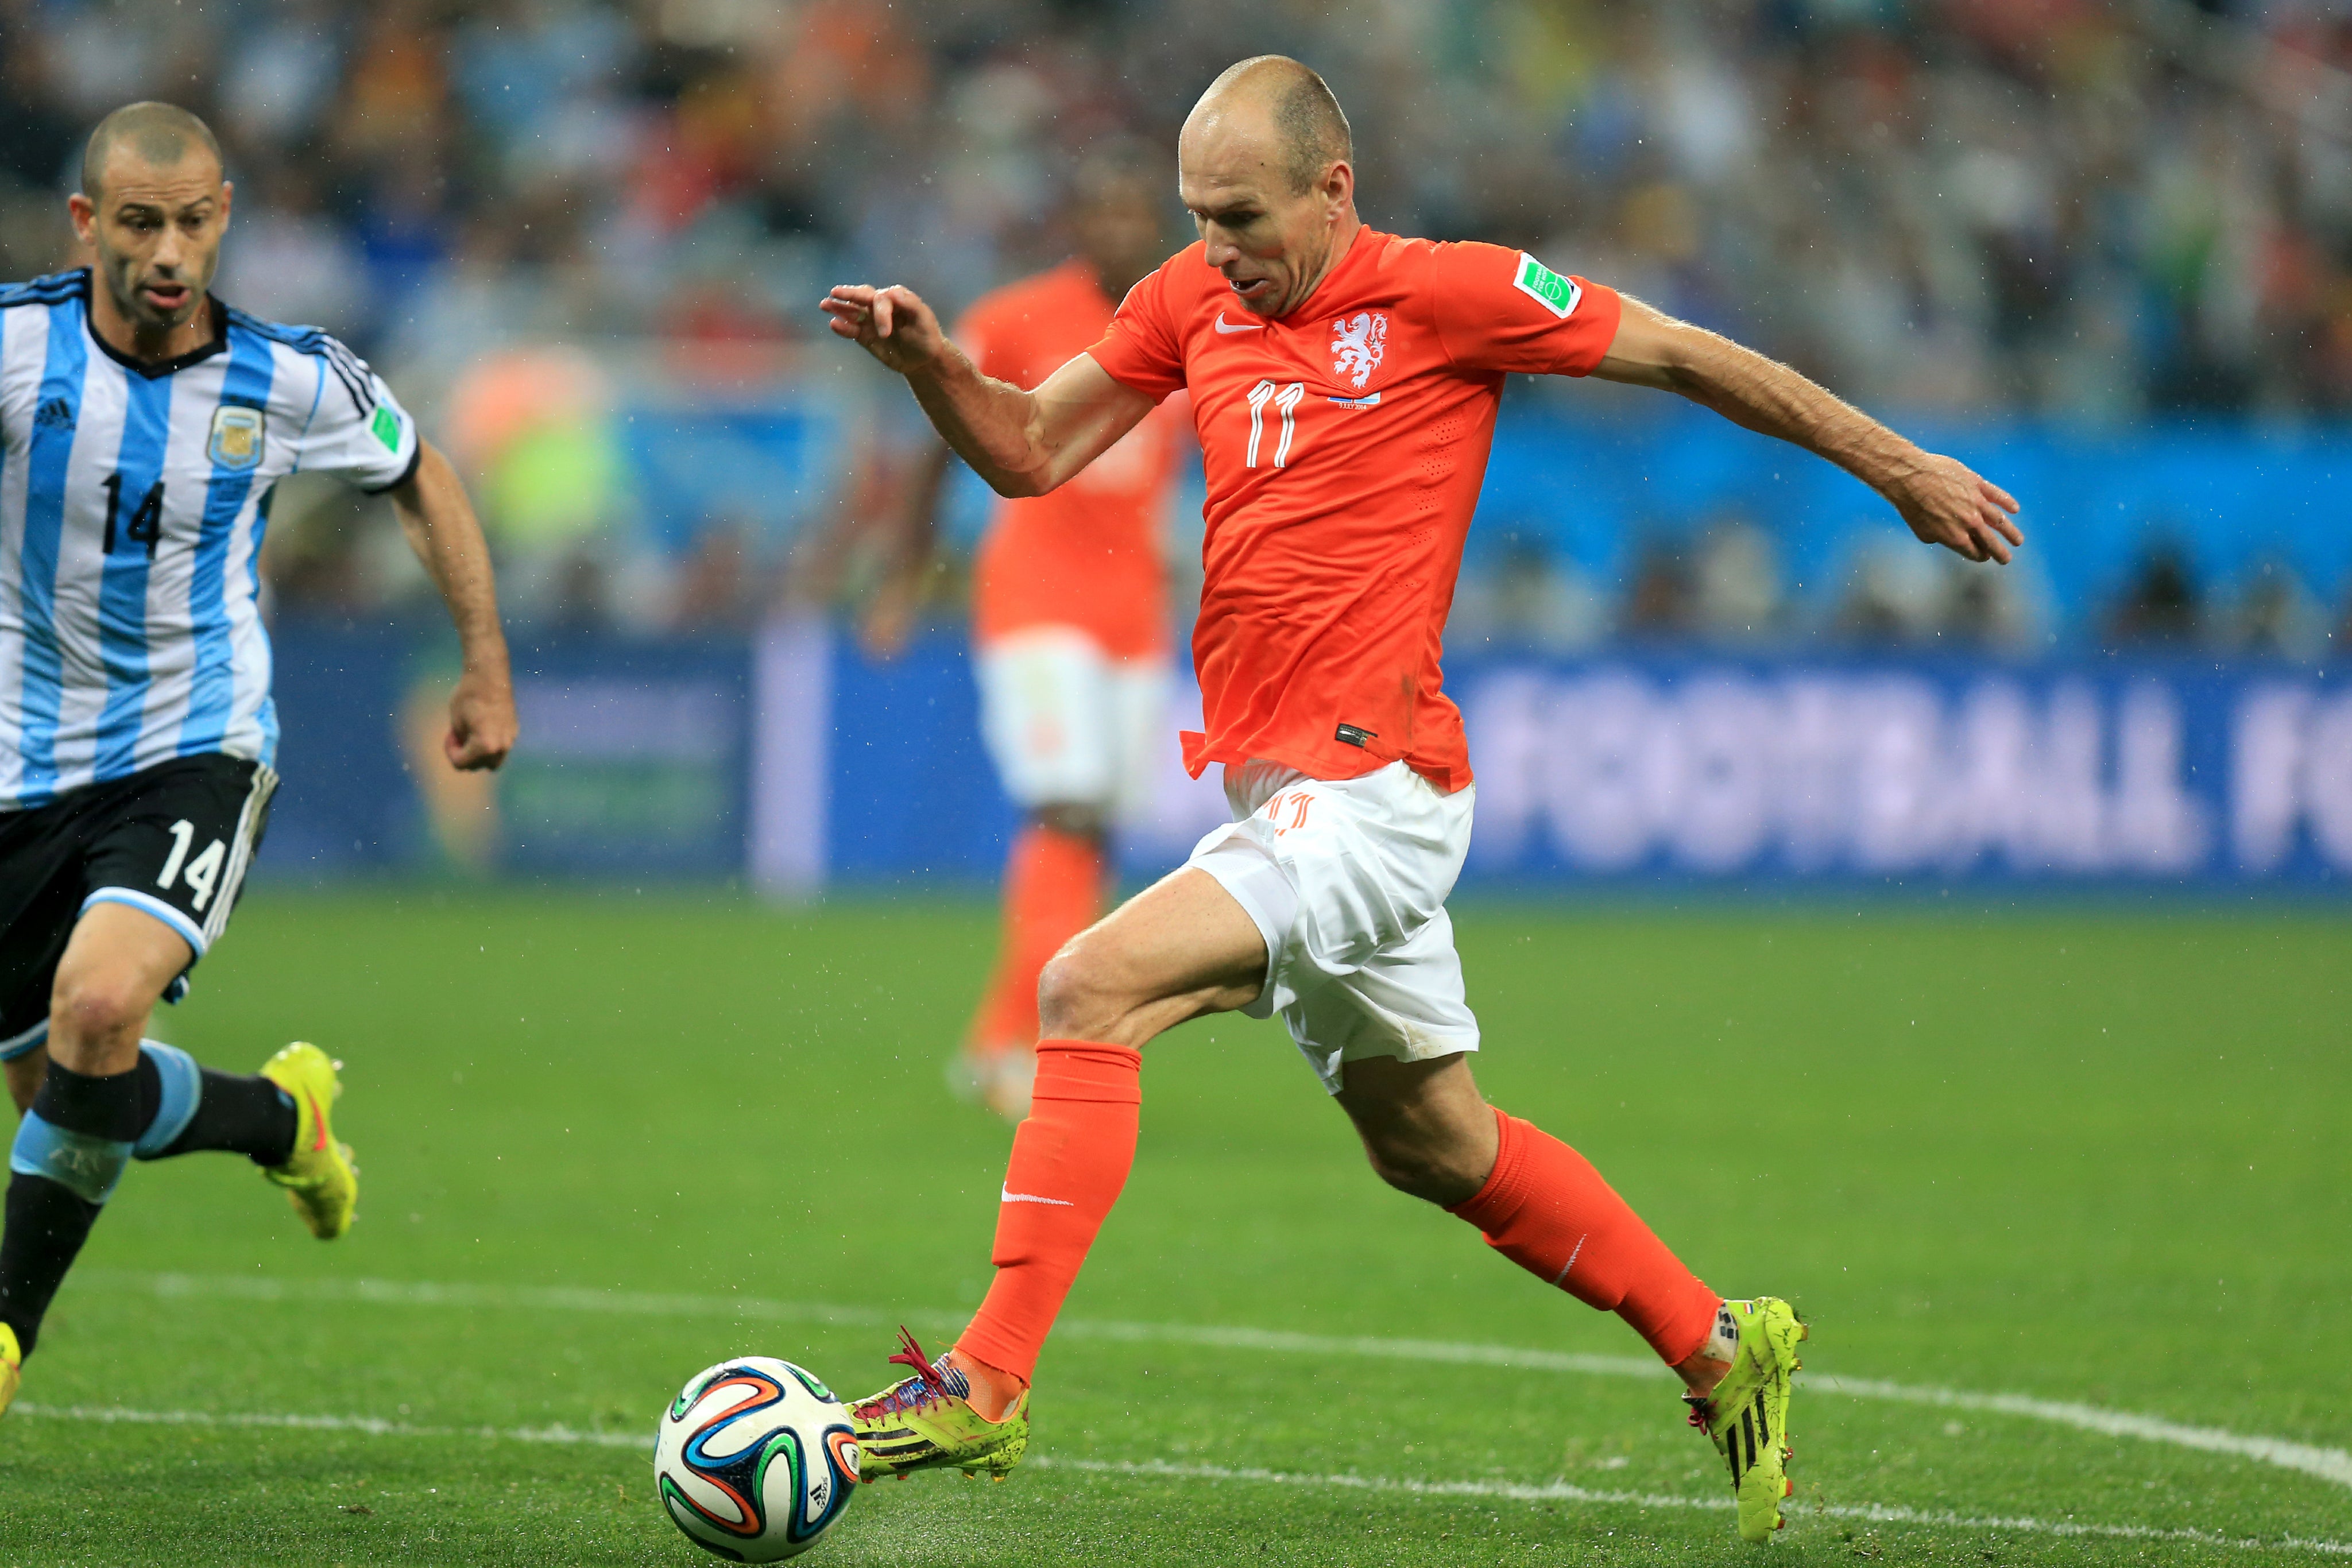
2328,1464
1564,1491
113,1414
1161,1470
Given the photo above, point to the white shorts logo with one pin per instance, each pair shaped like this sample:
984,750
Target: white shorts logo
1357,343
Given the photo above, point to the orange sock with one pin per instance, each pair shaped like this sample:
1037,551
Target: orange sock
1053,891
1548,1210
1070,1159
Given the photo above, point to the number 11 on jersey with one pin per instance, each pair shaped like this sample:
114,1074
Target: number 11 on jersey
1285,401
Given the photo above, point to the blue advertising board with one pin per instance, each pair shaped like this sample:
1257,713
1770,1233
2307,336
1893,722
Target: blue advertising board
2110,772
798,762
635,760
1695,770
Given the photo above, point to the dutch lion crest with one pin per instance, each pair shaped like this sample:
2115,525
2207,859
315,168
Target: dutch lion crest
1356,343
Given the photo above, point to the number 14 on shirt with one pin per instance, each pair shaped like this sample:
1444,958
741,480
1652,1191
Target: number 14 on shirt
1285,401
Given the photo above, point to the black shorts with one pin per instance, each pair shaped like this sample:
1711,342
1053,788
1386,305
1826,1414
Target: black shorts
173,839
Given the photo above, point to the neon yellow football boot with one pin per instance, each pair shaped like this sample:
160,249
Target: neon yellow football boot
1747,1414
927,1422
12,1367
320,1179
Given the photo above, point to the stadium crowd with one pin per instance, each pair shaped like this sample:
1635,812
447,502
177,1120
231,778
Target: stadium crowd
2082,211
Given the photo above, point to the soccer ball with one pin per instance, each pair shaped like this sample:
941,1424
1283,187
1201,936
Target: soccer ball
755,1459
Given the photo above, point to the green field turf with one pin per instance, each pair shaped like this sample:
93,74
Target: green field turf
2086,1157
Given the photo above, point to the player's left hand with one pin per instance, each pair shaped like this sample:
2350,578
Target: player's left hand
1947,503
482,723
893,324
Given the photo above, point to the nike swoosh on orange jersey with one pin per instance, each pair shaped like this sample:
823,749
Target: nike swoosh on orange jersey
1225,325
1012,1197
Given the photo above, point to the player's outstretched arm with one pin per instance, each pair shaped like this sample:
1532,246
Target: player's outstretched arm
1945,502
442,529
1022,442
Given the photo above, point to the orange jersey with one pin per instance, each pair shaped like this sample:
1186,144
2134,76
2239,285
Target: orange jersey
1089,554
1344,444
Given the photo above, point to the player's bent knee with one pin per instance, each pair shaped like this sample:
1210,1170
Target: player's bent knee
1069,995
98,1004
1079,993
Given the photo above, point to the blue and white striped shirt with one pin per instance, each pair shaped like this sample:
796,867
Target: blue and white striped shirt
133,503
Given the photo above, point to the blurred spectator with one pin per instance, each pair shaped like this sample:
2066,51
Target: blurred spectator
2160,605
1526,599
1661,601
1993,608
1736,587
2087,213
2272,615
291,261
720,588
1895,593
531,427
2061,208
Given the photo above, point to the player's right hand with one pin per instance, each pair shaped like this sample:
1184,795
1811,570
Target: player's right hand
1947,503
892,324
482,723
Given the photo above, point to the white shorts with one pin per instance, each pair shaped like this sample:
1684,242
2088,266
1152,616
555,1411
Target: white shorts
1066,724
1347,882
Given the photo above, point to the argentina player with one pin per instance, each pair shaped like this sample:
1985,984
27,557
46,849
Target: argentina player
142,426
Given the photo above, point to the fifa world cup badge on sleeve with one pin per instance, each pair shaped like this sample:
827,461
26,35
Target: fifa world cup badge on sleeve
387,428
1556,294
236,444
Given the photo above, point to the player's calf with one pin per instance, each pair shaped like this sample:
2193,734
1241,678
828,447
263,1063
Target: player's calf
70,1151
80,1132
197,1110
1426,1129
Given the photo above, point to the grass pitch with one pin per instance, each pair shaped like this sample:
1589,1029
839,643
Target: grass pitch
2092,1159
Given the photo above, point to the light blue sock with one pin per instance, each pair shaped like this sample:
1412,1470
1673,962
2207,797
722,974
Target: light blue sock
183,1090
84,1166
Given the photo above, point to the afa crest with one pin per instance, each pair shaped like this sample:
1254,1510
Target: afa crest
237,440
1357,343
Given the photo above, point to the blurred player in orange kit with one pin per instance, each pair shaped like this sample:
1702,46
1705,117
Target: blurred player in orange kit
1069,613
1345,385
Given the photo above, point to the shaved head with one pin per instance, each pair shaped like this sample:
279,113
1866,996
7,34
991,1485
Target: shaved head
162,134
1267,170
1310,132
